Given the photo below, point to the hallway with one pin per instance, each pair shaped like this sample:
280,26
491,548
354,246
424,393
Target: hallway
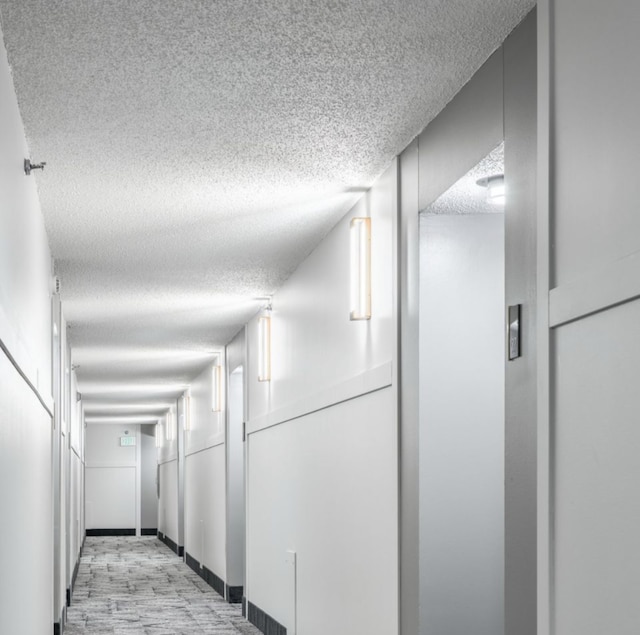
137,586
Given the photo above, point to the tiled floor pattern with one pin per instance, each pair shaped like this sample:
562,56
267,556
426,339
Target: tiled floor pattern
138,586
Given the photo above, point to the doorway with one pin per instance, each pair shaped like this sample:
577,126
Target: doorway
461,403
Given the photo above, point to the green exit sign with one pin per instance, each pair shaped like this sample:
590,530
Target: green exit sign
124,441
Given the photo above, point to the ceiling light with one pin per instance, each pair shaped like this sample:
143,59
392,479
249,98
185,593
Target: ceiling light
360,230
495,188
264,347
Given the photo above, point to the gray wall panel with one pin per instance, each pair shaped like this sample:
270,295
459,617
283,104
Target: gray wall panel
596,136
408,428
520,132
463,133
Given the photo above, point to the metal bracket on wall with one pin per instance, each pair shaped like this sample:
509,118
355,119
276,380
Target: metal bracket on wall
28,166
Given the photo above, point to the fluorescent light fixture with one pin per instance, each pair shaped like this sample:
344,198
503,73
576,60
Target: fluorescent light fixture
360,268
495,188
186,405
216,388
169,420
158,434
264,348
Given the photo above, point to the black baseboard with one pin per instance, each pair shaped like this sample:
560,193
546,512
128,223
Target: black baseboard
192,563
111,532
264,622
58,627
75,575
172,545
234,594
244,606
214,581
149,531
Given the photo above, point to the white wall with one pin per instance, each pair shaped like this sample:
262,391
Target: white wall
168,501
26,544
322,445
111,501
205,478
169,430
148,475
25,260
205,512
236,526
462,423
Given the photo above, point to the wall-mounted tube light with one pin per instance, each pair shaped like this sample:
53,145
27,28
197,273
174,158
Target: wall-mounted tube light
360,268
158,434
264,347
187,411
169,423
216,388
495,188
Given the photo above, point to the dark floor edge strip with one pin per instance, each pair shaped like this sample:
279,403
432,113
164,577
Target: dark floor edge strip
214,581
177,549
111,532
149,531
234,594
263,621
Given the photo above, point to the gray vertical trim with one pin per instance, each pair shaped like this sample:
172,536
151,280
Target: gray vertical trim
543,507
408,419
520,132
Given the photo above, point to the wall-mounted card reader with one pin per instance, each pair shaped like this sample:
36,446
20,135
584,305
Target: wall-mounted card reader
513,332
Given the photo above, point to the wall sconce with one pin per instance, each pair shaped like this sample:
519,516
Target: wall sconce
216,388
360,268
495,188
186,407
169,424
264,347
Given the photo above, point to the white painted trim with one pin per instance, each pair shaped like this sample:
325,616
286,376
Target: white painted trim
210,442
362,384
21,361
114,464
543,281
201,447
612,284
168,459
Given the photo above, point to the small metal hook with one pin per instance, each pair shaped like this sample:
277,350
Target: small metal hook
28,166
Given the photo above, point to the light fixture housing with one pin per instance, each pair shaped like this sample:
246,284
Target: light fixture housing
187,411
496,191
169,424
216,387
360,230
264,347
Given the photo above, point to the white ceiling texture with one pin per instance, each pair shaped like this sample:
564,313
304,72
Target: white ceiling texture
198,150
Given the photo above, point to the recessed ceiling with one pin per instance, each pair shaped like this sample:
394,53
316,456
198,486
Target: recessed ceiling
197,151
465,196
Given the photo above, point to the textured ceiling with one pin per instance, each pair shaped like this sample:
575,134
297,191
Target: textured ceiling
465,196
198,150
